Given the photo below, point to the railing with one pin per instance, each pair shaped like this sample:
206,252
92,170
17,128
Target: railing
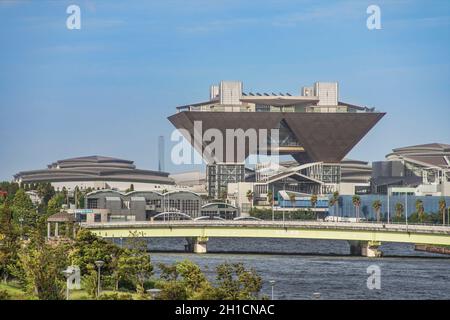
366,226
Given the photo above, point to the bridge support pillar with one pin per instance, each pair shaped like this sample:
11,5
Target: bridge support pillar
365,248
196,245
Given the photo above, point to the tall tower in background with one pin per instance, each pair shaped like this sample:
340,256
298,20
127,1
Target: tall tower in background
161,153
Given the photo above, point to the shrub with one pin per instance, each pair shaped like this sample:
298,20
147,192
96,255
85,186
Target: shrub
116,296
4,295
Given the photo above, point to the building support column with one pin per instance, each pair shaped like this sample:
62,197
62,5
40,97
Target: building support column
196,245
56,230
365,248
49,230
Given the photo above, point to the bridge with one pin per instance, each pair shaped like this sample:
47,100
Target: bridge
364,237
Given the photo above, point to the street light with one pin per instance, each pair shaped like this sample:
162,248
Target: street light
99,264
67,273
153,292
272,284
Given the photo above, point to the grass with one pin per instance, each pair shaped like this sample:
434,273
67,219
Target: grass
16,293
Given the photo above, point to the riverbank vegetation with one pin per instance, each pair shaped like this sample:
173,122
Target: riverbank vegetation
31,266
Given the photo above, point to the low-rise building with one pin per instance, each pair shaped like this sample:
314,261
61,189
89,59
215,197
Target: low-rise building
97,172
426,168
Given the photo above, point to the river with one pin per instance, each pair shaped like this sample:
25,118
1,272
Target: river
302,267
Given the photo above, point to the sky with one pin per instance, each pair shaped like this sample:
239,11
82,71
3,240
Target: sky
108,88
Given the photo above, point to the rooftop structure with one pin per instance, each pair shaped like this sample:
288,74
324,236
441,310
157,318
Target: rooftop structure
312,126
425,167
96,172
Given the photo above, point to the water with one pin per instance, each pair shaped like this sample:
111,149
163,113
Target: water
302,267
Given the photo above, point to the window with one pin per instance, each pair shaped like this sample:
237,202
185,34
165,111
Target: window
92,203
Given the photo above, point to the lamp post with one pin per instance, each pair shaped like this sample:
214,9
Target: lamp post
67,273
153,292
272,284
273,202
99,264
406,209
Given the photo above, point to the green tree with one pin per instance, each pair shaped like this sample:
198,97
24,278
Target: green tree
42,264
130,189
249,195
420,210
134,264
24,211
356,200
399,212
89,248
194,281
9,243
334,201
90,282
45,192
10,188
235,282
376,205
55,203
184,280
223,195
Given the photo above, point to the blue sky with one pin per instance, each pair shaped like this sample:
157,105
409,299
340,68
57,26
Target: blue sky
108,88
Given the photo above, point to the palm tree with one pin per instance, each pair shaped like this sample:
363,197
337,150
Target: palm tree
313,201
420,210
223,195
376,205
442,207
335,200
357,203
249,195
398,211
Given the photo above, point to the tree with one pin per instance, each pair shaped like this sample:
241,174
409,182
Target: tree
130,189
235,282
9,243
55,203
442,207
45,192
356,200
249,196
184,280
270,197
420,210
223,195
134,264
376,205
42,265
399,212
23,210
194,281
334,200
89,248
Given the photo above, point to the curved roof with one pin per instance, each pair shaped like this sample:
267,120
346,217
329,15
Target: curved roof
430,154
93,168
